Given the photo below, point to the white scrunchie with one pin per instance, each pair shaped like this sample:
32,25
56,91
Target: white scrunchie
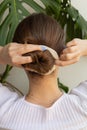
54,54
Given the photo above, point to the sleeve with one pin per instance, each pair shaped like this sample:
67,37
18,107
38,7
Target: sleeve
6,95
81,92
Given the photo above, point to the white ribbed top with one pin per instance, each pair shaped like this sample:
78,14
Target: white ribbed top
69,112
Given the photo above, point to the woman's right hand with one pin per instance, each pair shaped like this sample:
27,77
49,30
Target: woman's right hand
74,50
12,53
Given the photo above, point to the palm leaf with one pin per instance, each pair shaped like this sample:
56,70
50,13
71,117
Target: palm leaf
80,21
15,13
67,15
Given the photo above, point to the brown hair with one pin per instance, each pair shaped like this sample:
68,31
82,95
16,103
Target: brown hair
42,30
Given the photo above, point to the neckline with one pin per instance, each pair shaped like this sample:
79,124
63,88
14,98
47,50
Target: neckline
42,107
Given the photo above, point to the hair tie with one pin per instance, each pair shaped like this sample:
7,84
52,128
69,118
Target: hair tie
54,54
52,51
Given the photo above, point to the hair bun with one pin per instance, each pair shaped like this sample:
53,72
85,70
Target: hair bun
43,62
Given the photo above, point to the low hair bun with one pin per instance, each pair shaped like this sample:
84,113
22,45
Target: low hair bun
42,62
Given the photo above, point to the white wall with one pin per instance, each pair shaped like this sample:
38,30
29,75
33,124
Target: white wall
81,5
70,75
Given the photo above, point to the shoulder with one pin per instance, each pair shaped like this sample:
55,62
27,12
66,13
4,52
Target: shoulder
79,95
81,89
5,91
6,95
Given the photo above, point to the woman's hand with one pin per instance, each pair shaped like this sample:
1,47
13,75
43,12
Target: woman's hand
74,50
12,53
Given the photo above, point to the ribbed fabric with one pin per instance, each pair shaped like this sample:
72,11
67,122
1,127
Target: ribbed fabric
69,112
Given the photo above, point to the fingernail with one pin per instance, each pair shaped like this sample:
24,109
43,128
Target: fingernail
43,48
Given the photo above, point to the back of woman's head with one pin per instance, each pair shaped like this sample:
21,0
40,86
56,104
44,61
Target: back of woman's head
40,29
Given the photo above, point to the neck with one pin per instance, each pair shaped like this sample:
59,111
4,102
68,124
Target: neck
44,91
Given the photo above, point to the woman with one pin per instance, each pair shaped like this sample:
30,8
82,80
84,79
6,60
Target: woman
45,107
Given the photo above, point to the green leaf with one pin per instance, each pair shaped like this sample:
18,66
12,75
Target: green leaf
15,13
62,86
45,2
82,23
34,5
4,30
53,9
70,29
77,31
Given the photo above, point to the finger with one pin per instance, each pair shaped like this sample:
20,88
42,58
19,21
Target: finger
18,60
70,56
65,63
70,50
73,42
28,48
14,45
